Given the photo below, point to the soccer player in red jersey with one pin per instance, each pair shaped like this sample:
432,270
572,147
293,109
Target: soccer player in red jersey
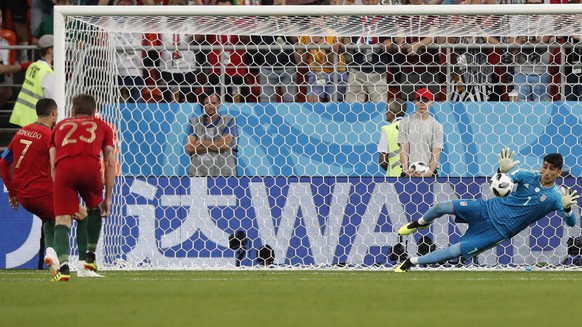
31,185
75,152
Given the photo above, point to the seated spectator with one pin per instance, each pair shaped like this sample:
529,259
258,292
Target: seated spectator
277,67
327,76
178,67
19,15
233,85
472,73
7,65
367,73
129,62
46,26
471,78
531,74
420,66
573,67
38,11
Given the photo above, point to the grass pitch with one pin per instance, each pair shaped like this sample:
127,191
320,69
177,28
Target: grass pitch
292,298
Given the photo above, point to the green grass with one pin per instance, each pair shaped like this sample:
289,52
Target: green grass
292,298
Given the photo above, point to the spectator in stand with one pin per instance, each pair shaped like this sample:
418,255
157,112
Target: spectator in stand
178,64
38,83
420,66
472,72
19,13
367,73
46,25
505,70
233,85
277,66
573,69
327,76
532,77
212,141
573,65
7,66
38,11
420,137
129,62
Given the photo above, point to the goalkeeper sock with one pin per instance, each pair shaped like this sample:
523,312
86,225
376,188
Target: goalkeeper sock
61,242
436,211
93,229
48,229
82,238
441,255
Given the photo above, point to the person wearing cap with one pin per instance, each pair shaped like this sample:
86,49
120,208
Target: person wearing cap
38,83
420,137
388,148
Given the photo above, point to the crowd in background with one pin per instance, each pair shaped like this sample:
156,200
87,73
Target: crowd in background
342,69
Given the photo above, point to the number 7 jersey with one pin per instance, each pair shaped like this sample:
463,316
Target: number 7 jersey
83,136
28,152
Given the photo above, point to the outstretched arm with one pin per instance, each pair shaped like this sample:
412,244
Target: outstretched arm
506,162
569,198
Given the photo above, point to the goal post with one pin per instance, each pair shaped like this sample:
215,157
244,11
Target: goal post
308,189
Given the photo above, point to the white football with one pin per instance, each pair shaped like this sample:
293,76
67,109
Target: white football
501,185
419,167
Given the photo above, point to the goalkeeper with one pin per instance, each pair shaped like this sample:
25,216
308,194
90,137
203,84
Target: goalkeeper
497,219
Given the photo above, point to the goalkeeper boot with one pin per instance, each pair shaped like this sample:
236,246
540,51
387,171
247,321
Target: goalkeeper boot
404,266
51,260
90,262
63,275
411,227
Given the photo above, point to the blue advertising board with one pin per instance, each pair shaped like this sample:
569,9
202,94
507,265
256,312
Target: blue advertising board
340,139
186,222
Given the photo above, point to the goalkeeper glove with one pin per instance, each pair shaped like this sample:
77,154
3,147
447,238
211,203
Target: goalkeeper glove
569,197
506,162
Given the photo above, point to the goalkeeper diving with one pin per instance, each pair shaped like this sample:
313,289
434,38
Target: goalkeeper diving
497,219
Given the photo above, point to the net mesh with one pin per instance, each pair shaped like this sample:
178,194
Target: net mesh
308,190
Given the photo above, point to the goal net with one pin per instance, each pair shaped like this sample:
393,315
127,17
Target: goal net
303,92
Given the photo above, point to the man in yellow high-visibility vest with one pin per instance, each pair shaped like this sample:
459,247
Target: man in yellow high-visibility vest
388,148
38,83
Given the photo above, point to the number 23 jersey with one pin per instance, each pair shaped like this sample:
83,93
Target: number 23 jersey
83,136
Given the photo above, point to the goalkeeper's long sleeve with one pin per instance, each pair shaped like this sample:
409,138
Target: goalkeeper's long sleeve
570,220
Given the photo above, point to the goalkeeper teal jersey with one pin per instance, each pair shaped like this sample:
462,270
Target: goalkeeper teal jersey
527,204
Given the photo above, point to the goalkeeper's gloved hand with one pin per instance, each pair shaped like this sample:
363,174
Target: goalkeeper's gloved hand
569,197
506,162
